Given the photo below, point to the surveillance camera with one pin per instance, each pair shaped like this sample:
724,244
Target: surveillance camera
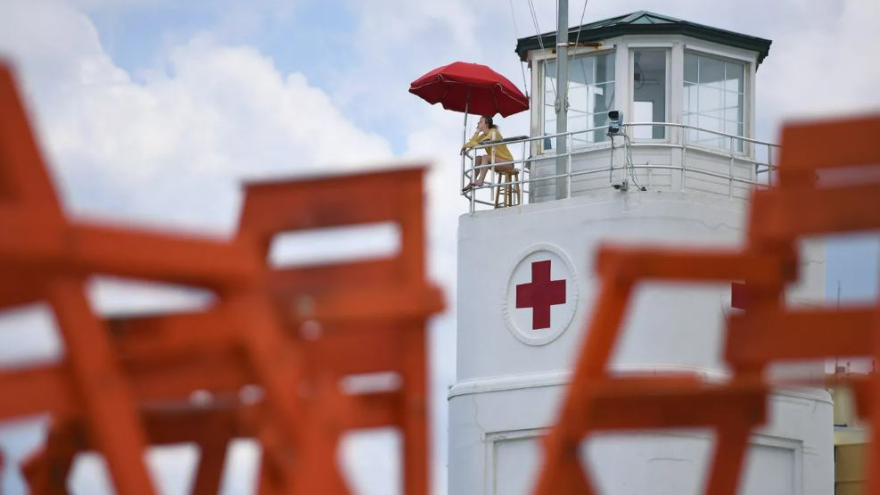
615,121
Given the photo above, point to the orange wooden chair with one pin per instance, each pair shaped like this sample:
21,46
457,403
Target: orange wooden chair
44,256
371,314
129,383
821,190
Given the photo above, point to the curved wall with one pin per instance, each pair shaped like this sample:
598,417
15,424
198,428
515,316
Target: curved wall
508,389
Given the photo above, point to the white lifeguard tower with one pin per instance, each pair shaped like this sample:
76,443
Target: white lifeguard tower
676,170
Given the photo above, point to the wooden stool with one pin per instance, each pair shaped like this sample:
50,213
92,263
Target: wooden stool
507,193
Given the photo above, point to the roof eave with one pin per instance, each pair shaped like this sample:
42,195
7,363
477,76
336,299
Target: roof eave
758,45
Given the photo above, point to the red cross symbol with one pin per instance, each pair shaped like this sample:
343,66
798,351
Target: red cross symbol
540,294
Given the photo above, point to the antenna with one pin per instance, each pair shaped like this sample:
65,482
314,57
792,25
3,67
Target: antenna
562,99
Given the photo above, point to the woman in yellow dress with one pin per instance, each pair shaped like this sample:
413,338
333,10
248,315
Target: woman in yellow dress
488,131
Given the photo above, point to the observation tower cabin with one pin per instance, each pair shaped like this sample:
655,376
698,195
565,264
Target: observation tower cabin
674,167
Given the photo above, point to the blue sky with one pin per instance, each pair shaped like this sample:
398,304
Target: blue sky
184,99
304,37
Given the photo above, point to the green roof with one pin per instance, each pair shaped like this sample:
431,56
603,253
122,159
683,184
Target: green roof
644,22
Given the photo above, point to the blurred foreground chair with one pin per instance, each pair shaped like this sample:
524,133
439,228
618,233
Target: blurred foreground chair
272,358
822,189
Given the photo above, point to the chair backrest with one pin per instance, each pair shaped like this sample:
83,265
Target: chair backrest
24,181
829,179
803,204
395,196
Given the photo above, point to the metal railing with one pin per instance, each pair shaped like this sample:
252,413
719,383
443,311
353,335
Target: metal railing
739,150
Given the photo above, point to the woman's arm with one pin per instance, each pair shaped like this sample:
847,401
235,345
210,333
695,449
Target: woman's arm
475,140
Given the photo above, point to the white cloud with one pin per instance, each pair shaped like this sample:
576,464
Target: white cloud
439,136
27,335
412,20
824,64
113,4
398,41
54,46
173,146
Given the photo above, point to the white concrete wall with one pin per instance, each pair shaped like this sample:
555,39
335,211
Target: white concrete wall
507,391
496,449
669,325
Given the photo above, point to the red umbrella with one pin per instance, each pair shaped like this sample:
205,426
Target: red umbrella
470,88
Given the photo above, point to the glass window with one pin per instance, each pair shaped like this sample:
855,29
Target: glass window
649,92
590,96
713,100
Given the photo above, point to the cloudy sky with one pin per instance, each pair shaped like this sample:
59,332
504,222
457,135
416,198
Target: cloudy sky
152,111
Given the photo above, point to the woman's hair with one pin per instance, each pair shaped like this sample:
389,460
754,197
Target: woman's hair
489,123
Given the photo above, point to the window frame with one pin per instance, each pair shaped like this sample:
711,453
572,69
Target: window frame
631,103
747,64
542,64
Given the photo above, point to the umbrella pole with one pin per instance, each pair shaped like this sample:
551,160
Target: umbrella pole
464,138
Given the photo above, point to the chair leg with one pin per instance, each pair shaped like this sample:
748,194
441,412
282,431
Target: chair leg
495,190
507,192
510,190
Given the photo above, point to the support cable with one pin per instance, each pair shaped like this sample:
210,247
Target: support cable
631,167
540,38
576,41
521,68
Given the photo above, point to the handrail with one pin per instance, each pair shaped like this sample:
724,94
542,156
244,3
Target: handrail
710,131
679,141
506,140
